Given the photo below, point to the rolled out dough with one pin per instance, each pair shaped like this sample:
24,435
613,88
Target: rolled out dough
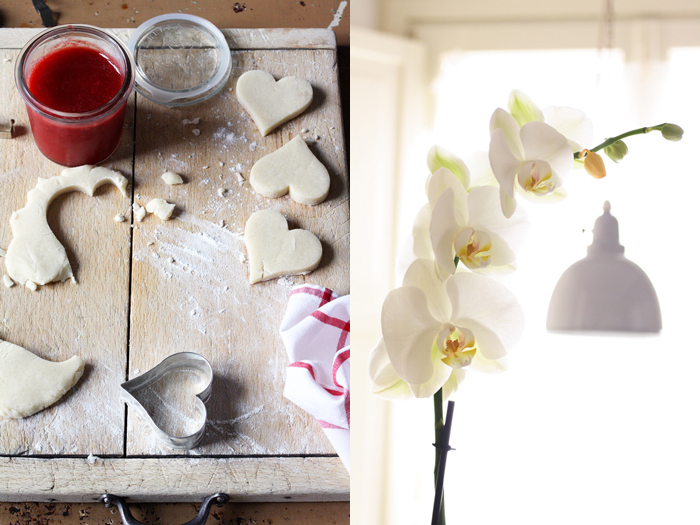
29,384
271,103
295,169
274,251
34,253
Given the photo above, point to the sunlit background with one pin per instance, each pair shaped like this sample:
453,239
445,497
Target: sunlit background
580,429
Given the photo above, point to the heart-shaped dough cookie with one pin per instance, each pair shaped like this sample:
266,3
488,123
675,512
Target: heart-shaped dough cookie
274,251
295,169
271,103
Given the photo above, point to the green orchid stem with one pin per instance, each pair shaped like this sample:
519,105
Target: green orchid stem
608,142
439,426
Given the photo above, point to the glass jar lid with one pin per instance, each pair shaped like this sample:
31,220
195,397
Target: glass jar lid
180,59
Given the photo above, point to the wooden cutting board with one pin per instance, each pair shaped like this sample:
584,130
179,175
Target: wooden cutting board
150,289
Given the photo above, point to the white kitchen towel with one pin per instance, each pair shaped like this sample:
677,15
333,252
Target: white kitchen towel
316,333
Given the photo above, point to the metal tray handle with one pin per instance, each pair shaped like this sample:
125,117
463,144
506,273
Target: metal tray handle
200,519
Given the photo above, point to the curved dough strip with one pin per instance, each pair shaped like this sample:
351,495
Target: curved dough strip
29,383
35,253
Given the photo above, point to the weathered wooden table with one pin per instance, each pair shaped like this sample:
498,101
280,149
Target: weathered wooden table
147,290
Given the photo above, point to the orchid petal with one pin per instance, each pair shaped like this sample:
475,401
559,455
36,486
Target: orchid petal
385,381
441,158
451,385
421,234
572,123
443,228
409,330
490,366
484,214
543,142
508,204
501,254
421,274
441,373
503,163
522,108
440,181
488,309
502,120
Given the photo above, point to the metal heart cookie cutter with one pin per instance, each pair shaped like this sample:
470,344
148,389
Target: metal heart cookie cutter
170,398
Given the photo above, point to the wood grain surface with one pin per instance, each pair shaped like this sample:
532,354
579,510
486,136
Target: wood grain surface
175,479
185,286
61,320
325,513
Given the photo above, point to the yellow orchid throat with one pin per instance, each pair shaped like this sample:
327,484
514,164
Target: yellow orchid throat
458,345
473,248
536,177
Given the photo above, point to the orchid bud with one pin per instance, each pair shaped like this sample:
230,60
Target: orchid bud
616,151
672,132
594,165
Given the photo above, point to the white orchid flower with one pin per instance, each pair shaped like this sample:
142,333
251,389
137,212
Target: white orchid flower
533,159
469,226
433,330
570,122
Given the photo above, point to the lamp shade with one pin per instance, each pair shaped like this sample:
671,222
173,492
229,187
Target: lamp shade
604,291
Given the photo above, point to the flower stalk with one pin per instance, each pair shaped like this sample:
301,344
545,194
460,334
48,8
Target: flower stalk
443,428
664,128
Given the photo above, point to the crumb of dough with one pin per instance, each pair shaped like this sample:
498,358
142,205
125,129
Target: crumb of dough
240,177
170,177
221,164
90,460
196,132
205,167
160,208
31,285
150,243
119,218
304,130
221,223
316,137
2,252
8,281
139,212
242,258
187,121
221,192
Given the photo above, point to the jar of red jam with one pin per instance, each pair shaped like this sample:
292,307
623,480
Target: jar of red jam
75,81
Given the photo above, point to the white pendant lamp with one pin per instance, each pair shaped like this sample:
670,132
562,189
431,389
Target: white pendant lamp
604,291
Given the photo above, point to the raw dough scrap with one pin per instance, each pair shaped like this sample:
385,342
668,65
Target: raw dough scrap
271,103
29,383
295,169
160,208
274,251
170,177
139,212
34,253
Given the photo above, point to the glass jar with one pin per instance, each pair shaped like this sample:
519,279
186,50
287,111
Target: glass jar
75,81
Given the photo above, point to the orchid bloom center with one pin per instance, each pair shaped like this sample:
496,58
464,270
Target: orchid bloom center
536,177
457,345
473,248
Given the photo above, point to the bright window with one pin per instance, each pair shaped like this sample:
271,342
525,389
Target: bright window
579,429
